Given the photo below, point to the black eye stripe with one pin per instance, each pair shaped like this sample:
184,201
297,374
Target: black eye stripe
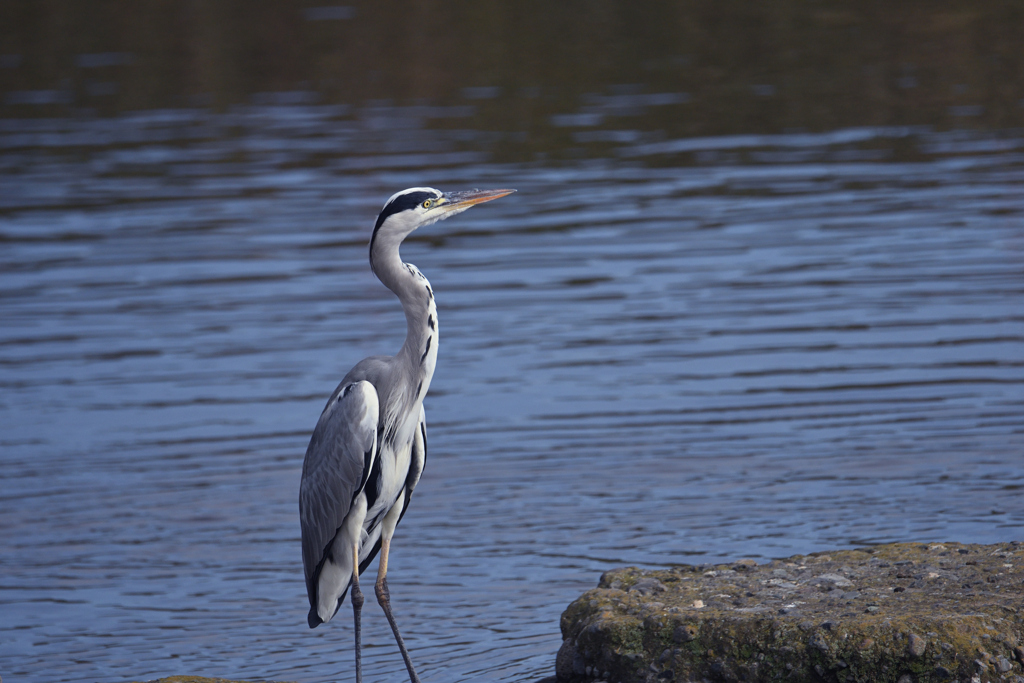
409,200
403,203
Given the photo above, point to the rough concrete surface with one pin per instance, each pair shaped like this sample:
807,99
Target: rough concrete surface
899,613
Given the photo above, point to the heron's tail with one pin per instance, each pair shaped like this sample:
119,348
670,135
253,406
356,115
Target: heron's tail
314,619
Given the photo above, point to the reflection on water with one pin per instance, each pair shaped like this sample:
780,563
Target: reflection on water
691,350
540,77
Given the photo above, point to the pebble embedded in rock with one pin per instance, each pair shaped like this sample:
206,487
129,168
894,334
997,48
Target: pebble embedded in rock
916,645
563,660
818,642
579,665
684,633
648,586
837,580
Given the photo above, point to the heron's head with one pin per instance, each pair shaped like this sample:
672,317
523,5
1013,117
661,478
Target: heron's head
410,209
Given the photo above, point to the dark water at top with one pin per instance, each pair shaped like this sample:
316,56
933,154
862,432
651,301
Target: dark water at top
665,348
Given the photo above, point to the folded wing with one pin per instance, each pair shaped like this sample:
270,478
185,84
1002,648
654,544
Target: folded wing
337,463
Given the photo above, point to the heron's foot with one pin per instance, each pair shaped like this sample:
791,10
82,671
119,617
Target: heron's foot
357,608
384,598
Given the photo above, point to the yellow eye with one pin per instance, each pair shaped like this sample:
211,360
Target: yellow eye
427,203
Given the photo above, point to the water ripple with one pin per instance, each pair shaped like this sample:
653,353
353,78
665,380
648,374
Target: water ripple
709,348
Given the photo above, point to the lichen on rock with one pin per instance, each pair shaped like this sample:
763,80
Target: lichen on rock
898,613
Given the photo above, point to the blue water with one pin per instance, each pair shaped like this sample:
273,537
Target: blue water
681,351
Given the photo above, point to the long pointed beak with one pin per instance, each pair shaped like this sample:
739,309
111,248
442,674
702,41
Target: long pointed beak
463,200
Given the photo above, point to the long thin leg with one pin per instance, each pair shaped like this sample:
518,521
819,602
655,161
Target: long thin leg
384,598
357,608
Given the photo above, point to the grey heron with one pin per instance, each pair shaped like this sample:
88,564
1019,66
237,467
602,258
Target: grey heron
369,446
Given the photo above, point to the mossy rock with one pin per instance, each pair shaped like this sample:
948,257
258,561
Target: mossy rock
899,613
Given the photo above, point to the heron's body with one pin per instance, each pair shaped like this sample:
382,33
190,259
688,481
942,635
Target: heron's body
391,389
369,446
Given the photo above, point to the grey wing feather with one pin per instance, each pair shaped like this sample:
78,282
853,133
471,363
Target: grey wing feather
337,462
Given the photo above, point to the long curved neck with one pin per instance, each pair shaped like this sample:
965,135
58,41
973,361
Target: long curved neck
419,352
